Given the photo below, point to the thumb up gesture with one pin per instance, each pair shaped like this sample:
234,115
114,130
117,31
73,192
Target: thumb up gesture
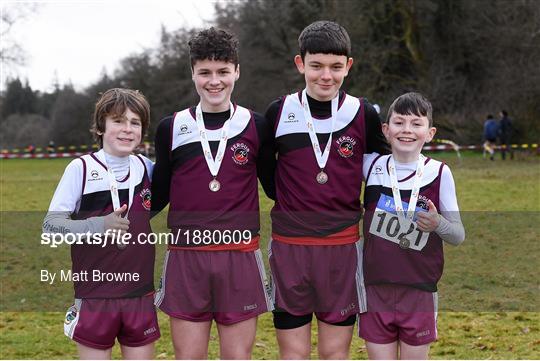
115,221
428,221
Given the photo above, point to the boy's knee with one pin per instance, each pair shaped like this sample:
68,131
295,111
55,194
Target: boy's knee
333,354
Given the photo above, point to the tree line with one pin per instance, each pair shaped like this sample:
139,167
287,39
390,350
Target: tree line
470,58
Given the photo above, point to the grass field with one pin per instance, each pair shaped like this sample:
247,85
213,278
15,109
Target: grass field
489,294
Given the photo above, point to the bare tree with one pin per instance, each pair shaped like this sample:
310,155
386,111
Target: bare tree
11,52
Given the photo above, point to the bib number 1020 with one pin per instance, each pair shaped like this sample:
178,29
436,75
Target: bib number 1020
386,225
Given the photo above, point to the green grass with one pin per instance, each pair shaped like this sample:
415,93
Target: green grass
489,294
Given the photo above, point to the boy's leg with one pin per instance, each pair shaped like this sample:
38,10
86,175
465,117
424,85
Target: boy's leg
239,297
334,341
190,339
139,329
186,296
236,341
416,316
410,352
492,146
340,297
382,351
93,324
294,344
145,352
90,353
378,325
294,298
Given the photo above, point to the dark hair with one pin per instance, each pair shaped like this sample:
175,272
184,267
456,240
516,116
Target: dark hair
324,37
213,44
504,113
114,102
490,116
411,104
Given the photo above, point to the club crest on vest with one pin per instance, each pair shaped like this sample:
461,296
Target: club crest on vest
423,202
346,146
240,153
146,196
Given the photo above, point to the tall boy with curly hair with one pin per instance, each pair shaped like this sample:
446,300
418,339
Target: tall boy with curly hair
208,158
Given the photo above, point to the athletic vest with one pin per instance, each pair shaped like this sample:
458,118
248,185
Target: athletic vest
385,261
194,208
305,211
135,258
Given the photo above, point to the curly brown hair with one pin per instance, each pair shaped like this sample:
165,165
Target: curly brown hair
213,44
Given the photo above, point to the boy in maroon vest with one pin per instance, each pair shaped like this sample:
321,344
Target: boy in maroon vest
321,134
410,209
208,159
99,193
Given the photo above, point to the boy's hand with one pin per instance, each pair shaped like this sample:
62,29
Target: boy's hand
115,221
428,221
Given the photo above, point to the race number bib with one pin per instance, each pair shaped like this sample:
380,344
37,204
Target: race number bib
385,224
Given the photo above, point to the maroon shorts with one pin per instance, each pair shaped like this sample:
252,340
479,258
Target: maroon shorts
227,286
399,313
97,323
326,280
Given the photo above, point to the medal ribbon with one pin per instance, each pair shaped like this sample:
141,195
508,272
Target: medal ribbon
213,164
113,184
406,218
322,157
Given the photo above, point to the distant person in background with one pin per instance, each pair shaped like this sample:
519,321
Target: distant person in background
491,129
505,133
51,148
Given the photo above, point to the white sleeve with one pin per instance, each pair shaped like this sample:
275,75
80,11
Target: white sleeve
450,228
368,160
149,165
67,196
66,201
